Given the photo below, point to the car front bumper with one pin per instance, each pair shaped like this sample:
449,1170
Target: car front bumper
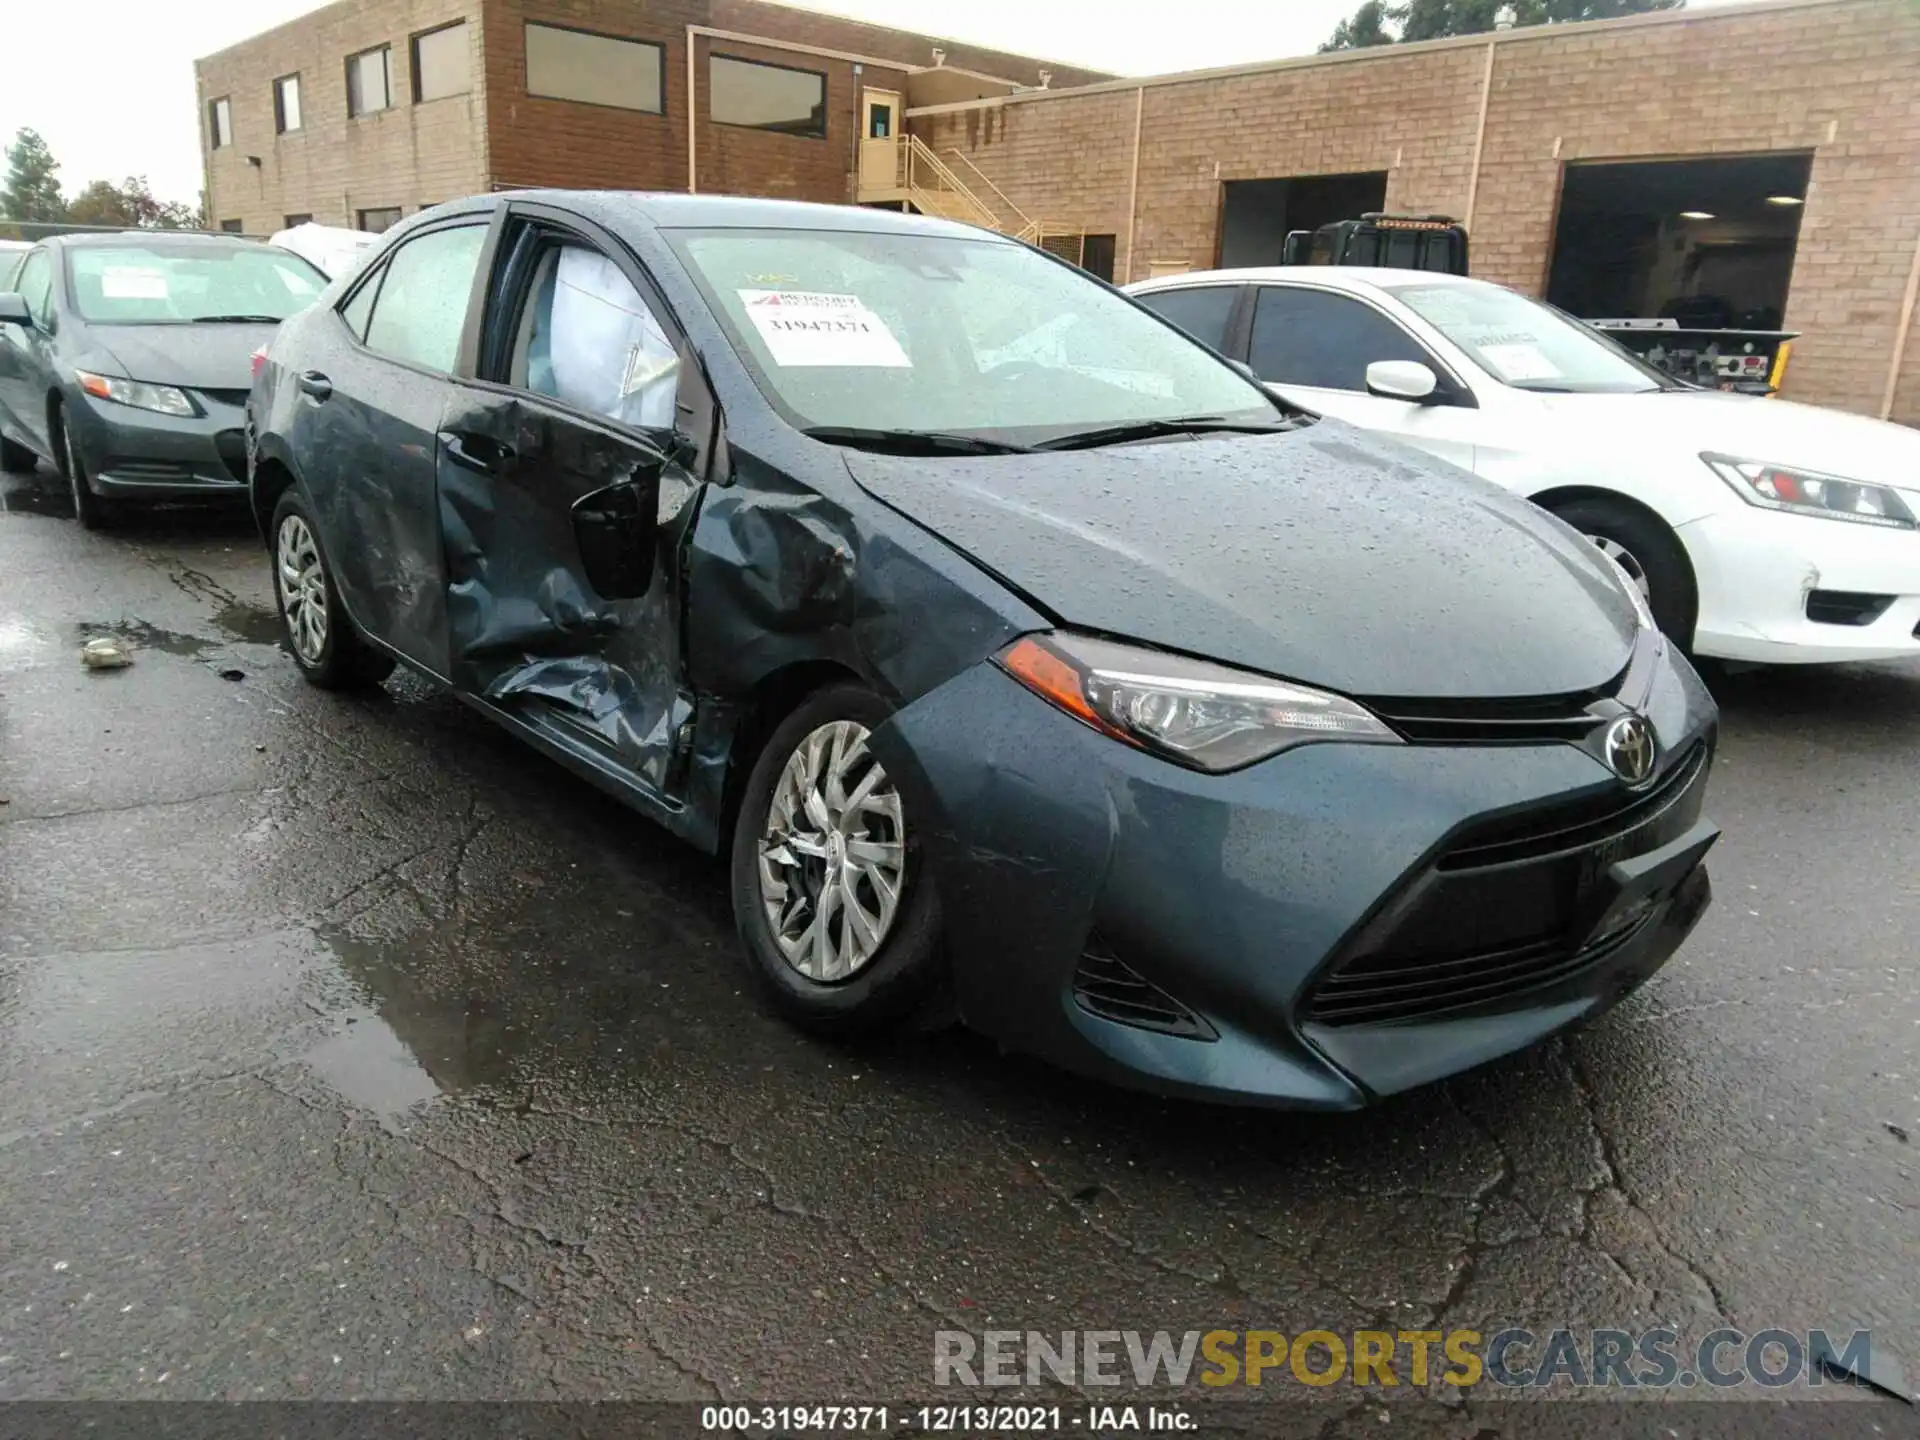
1236,900
1756,568
133,454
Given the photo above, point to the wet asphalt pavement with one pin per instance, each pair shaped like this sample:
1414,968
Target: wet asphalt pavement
349,1049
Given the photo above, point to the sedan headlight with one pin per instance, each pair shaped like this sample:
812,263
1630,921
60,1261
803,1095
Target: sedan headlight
1807,492
137,393
1210,717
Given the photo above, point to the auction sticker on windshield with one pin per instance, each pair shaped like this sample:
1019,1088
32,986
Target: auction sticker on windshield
812,327
1519,362
117,283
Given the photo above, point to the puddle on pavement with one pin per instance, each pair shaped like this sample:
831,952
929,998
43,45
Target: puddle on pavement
404,1045
250,624
246,624
27,495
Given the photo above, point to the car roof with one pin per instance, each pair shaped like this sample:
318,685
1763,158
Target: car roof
1337,277
667,210
172,237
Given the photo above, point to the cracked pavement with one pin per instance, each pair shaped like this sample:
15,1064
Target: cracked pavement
349,1049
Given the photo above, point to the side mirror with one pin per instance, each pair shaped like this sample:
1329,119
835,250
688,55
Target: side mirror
617,530
1407,380
13,309
1245,371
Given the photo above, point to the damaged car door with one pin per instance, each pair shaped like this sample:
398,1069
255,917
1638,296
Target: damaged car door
569,470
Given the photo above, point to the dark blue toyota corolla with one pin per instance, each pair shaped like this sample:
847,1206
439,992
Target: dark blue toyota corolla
1029,661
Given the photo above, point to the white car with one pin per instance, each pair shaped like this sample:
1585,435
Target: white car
1759,530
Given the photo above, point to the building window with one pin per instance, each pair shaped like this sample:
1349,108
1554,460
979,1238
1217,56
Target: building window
766,97
286,104
288,222
596,69
382,218
369,81
440,63
230,227
1096,256
220,122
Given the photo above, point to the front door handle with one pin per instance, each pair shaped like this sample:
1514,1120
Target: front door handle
477,452
315,385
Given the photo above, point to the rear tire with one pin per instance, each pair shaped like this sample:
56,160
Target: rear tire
17,459
847,860
330,652
1649,552
89,509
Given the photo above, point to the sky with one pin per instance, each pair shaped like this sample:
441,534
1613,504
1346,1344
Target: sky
126,106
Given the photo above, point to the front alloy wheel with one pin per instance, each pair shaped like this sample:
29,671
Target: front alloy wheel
830,890
833,855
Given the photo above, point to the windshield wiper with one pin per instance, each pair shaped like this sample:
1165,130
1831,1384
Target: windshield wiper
1153,429
912,442
234,319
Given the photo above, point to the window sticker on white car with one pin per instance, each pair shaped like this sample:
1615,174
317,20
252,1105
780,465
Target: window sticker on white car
812,327
1520,362
119,283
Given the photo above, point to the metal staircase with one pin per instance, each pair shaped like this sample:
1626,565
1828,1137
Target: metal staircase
932,186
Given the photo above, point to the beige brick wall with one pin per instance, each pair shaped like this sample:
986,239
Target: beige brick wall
1840,79
335,166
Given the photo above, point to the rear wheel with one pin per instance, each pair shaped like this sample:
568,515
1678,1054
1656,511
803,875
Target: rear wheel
17,458
328,649
830,891
1651,555
89,509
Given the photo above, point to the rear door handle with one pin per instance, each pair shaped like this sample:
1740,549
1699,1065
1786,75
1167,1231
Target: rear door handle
477,452
314,384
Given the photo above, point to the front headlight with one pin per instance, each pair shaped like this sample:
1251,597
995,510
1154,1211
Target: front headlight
1210,717
1807,492
137,393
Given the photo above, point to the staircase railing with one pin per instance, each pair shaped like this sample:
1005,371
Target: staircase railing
935,189
1022,222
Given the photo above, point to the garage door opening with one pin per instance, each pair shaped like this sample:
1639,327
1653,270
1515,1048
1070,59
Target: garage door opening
1257,214
1706,242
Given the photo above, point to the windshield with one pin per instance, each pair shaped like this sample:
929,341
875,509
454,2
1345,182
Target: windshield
156,283
941,334
1525,344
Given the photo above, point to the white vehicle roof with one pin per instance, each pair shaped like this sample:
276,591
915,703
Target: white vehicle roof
1336,277
333,248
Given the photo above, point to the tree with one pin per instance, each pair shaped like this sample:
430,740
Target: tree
1437,19
130,205
31,192
1366,26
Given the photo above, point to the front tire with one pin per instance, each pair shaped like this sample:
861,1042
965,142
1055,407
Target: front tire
830,892
1651,555
330,652
89,509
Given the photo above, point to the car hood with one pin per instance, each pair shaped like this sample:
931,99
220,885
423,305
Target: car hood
1750,427
200,357
1323,555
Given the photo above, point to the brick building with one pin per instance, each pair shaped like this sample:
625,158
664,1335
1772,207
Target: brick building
1762,157
1527,134
368,110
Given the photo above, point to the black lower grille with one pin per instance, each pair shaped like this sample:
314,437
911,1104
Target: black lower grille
1845,607
1500,912
232,445
228,397
156,470
1105,985
1377,991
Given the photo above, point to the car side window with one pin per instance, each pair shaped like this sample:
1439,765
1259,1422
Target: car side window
422,305
357,309
36,287
589,339
1201,310
1320,339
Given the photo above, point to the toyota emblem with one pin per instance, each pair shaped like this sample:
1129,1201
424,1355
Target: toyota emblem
1631,750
